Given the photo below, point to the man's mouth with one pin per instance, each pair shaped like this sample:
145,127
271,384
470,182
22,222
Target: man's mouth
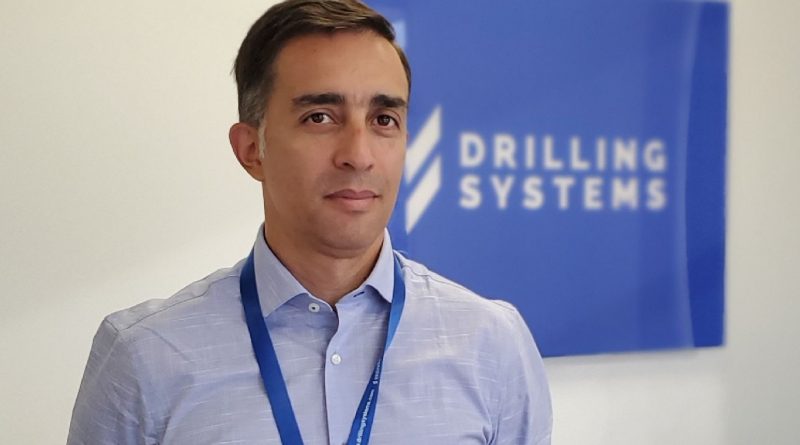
353,194
353,200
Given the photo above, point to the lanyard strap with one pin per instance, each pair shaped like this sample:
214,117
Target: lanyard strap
272,377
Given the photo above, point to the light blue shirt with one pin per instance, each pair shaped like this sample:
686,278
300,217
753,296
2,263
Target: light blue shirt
461,370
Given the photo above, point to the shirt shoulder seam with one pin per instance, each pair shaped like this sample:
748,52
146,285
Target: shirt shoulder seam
232,273
441,280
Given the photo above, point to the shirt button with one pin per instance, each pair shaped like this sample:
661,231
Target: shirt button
336,359
313,307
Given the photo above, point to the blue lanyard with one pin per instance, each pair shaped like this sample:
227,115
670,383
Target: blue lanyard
271,374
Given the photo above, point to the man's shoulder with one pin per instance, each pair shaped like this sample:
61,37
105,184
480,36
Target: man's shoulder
448,295
214,294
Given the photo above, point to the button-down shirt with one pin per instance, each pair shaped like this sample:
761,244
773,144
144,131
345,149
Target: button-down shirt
461,369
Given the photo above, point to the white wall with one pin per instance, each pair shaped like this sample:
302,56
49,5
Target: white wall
117,185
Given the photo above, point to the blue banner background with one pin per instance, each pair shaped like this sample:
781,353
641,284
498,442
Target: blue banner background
586,280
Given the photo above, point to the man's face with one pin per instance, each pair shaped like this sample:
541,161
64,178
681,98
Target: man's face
335,137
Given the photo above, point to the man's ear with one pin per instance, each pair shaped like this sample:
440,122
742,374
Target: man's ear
244,141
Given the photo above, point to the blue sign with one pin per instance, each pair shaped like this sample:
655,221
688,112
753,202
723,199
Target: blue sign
569,157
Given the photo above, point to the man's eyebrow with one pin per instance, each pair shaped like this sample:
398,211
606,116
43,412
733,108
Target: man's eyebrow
386,101
377,101
318,99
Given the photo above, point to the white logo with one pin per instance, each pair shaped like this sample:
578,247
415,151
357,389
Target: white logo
419,151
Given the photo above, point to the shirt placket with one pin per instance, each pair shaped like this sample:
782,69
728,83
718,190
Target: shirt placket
350,358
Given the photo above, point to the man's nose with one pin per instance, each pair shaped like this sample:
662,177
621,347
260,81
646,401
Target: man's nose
355,148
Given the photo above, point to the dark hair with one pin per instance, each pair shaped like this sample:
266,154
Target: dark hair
284,21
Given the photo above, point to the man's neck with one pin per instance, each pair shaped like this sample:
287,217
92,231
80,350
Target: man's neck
327,275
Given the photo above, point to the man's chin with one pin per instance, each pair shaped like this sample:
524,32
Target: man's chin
349,241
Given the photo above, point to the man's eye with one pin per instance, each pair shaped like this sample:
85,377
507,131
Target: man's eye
385,120
319,118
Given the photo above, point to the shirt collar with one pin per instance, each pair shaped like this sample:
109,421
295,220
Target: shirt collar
276,285
382,276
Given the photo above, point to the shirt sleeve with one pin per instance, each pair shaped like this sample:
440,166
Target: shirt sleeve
110,407
525,415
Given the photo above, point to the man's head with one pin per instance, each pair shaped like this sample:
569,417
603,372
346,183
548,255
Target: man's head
254,67
323,93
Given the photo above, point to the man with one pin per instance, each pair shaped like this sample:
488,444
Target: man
323,335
